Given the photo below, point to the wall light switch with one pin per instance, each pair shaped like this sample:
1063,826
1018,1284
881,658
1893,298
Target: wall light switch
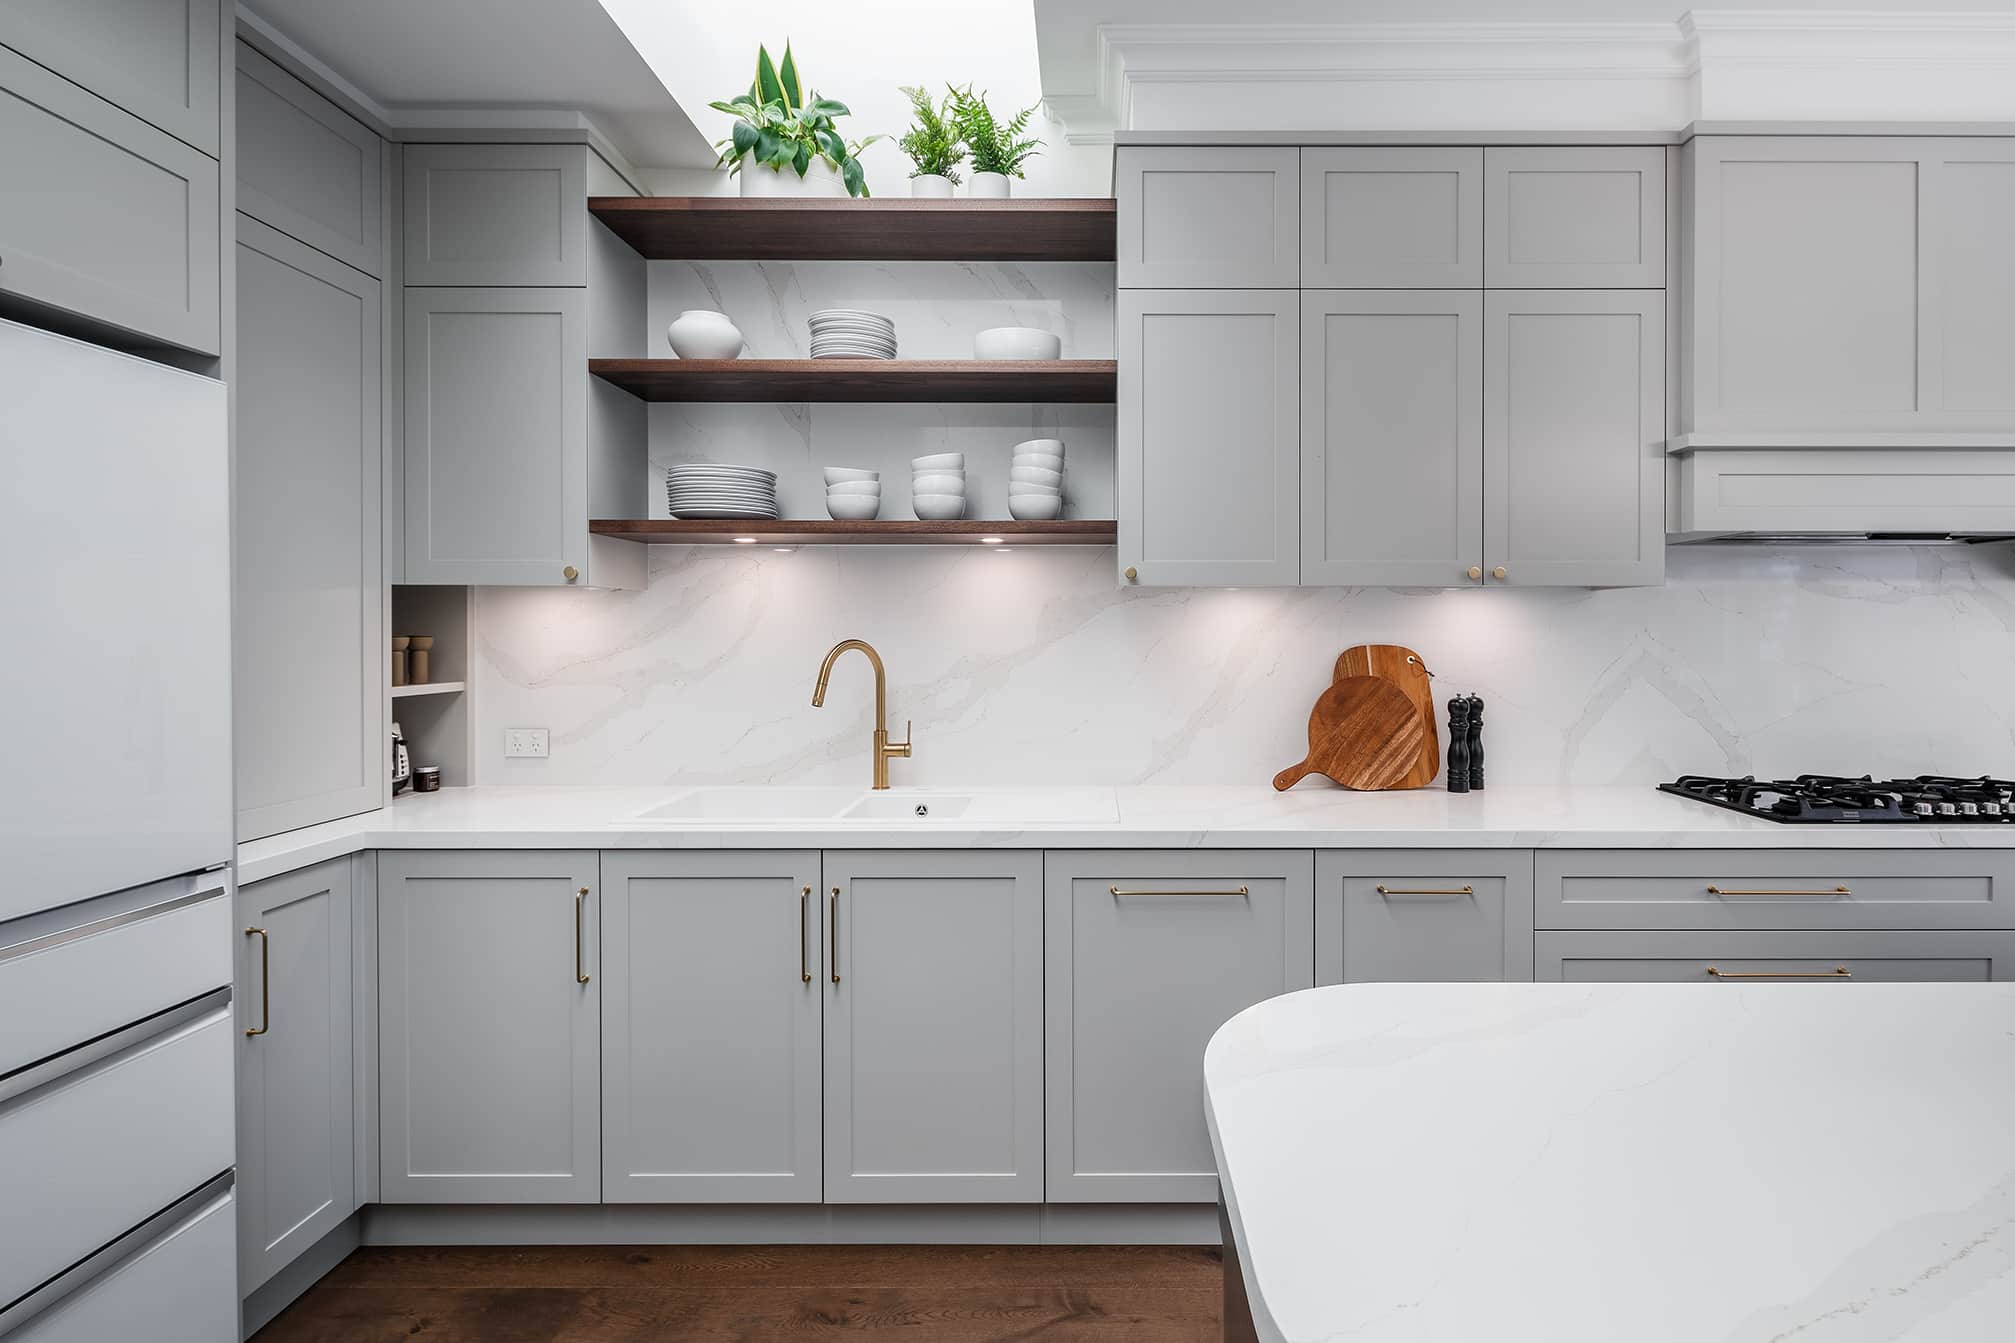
524,743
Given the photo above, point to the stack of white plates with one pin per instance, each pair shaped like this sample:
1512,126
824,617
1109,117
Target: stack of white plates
853,494
1035,480
843,333
938,486
707,490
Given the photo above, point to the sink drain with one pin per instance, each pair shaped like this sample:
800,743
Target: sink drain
922,809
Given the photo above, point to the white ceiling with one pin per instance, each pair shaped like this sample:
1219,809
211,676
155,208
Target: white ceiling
562,54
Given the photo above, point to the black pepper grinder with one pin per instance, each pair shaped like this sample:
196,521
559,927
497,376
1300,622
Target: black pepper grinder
1458,744
1475,743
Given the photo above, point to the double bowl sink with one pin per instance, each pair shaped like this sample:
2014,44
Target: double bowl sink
793,803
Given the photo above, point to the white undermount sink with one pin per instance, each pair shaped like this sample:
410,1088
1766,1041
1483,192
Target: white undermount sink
786,803
782,803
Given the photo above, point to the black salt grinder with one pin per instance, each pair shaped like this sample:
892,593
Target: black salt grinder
1458,744
1476,743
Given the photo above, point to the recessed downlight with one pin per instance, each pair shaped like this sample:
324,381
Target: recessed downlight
745,540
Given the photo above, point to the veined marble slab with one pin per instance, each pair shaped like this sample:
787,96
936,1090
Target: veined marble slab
1809,1163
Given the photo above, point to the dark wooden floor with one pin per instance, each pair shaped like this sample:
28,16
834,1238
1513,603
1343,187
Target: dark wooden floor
737,1294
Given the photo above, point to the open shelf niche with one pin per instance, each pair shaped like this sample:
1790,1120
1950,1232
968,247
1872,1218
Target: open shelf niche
436,716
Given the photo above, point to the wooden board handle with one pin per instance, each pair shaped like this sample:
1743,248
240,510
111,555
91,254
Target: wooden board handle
1291,776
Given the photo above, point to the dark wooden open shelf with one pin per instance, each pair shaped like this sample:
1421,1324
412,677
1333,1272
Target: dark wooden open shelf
728,228
1075,381
892,532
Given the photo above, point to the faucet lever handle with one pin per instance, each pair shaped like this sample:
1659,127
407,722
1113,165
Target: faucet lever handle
902,748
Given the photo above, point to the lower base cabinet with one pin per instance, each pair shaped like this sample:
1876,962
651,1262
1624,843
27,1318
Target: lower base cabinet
1148,954
1423,917
1695,957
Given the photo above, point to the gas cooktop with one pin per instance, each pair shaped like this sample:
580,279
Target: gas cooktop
1812,799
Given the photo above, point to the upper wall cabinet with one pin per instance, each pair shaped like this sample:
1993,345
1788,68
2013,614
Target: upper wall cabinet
496,214
306,167
1391,218
1848,284
104,215
158,59
1197,218
1575,218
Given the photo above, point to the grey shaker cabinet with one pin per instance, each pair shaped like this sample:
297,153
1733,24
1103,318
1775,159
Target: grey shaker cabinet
1813,959
488,1037
1574,437
306,167
1463,916
1392,437
104,215
296,1155
496,214
933,1027
1392,218
310,735
712,980
157,59
1148,954
1574,218
1208,218
1209,441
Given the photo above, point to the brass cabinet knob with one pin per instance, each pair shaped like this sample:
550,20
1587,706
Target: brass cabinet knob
1498,572
1476,571
570,573
1132,574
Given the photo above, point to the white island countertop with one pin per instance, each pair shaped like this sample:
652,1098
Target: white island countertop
1585,1163
1312,816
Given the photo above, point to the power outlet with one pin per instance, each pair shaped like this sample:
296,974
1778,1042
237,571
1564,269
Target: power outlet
524,743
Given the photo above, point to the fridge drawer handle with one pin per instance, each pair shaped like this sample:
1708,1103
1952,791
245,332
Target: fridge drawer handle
265,982
111,1049
1837,972
1426,890
1232,893
91,927
580,901
1832,893
804,926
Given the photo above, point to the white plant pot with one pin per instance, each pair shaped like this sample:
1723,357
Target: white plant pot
701,333
988,186
930,186
820,179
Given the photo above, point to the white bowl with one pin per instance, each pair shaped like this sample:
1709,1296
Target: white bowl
1023,487
1053,446
836,474
1036,459
852,507
1035,507
1017,342
938,484
939,461
1034,475
866,489
939,507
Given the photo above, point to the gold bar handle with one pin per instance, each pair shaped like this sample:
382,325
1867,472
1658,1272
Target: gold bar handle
1426,890
580,900
265,982
1235,893
1837,972
1833,894
833,930
804,964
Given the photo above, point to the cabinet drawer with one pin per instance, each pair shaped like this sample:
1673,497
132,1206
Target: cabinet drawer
1574,218
103,215
1459,917
1194,218
177,1286
87,1152
1718,888
158,59
1774,958
1392,218
496,214
72,974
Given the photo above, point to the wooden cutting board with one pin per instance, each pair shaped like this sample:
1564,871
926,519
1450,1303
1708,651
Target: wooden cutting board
1406,669
1363,733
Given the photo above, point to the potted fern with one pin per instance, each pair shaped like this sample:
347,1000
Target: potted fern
784,144
933,146
998,148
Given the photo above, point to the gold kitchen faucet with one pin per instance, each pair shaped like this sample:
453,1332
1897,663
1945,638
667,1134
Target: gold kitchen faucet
883,747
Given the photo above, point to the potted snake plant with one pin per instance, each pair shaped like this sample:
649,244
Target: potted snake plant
785,143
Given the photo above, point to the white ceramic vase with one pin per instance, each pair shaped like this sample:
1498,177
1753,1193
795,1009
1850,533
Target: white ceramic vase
988,186
820,179
701,333
930,186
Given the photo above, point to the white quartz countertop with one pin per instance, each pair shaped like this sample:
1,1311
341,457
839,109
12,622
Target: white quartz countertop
1309,816
1586,1163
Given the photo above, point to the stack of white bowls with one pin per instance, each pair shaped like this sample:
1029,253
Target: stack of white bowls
1035,480
707,490
844,333
853,495
938,486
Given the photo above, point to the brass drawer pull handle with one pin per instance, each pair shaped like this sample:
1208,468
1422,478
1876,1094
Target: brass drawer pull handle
1235,893
1837,972
1833,894
580,899
1427,890
804,965
833,929
265,982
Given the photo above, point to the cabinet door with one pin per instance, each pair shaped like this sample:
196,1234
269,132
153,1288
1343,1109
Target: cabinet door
710,1027
933,1027
1392,218
1812,959
496,214
1148,954
296,1158
157,59
1968,360
310,646
1464,916
306,167
1209,457
103,215
1574,218
1197,218
489,999
1392,437
496,454
1574,437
